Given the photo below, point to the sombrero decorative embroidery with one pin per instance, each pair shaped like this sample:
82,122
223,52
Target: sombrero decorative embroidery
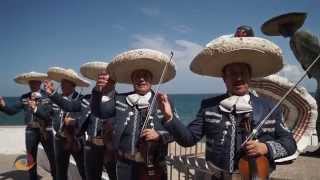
125,63
263,56
91,70
30,76
300,108
58,73
284,25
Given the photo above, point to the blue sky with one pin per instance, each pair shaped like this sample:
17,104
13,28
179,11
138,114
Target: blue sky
38,34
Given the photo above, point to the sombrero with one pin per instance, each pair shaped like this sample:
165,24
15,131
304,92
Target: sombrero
91,70
263,56
300,108
30,76
284,25
58,73
125,63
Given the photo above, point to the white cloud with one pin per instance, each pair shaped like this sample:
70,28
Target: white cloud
184,51
182,28
294,73
291,72
150,11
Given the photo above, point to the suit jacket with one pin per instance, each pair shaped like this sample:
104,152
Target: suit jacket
219,130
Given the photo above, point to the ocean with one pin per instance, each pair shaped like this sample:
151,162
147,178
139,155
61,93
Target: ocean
187,106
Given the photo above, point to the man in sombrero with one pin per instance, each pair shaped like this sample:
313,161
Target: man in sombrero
224,120
37,129
99,130
68,139
131,139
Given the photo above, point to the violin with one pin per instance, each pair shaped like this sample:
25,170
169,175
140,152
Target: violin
149,169
253,168
70,132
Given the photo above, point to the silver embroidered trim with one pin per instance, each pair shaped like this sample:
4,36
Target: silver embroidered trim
232,143
270,121
268,129
122,104
211,120
135,111
86,102
84,105
278,150
211,113
160,116
120,108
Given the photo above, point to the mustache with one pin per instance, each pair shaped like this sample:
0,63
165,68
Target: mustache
237,83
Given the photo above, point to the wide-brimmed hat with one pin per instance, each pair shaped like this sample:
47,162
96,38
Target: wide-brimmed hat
299,108
284,25
125,63
263,56
58,74
91,70
30,76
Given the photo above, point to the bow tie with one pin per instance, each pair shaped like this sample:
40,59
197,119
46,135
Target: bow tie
139,100
240,103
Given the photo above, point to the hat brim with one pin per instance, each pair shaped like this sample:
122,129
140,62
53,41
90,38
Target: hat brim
261,55
58,74
300,108
91,70
126,63
32,76
273,26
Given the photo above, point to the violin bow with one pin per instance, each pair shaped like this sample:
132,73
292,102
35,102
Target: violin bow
257,128
155,93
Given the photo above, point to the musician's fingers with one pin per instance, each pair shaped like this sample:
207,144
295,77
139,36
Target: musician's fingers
145,133
250,146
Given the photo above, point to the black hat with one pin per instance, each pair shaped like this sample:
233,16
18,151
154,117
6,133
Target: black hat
244,31
285,25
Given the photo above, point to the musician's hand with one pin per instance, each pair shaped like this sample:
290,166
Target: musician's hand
32,104
164,104
150,135
48,87
255,148
69,121
104,83
2,102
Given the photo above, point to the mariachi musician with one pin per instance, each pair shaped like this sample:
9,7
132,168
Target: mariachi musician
140,141
97,150
69,139
37,129
225,120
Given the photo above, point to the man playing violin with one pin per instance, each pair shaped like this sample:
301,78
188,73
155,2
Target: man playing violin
221,119
140,141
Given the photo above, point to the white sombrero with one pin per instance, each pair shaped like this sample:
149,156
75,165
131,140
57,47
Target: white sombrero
58,73
263,56
30,76
125,63
91,70
300,108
